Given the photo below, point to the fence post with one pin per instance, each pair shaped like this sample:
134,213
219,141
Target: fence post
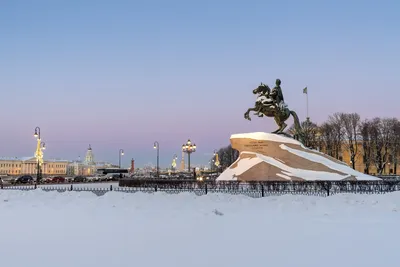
111,187
1,185
205,188
328,188
155,188
35,186
72,188
262,190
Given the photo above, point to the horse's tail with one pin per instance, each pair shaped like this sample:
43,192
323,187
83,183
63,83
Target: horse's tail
297,125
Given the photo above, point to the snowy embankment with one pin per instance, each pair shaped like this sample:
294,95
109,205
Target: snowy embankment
51,229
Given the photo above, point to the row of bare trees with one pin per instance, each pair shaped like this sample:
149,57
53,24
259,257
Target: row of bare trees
374,141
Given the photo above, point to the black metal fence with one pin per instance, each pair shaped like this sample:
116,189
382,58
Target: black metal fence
263,189
252,189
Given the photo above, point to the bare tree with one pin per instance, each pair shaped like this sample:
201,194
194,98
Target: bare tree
326,138
337,133
380,137
227,155
365,133
351,122
394,145
310,130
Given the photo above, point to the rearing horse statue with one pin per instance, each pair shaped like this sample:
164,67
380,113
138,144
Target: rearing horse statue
266,106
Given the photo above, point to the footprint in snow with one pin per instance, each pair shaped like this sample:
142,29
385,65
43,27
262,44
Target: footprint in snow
217,212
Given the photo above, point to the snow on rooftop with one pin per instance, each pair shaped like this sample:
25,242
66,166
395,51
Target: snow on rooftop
57,160
181,230
267,137
17,158
31,158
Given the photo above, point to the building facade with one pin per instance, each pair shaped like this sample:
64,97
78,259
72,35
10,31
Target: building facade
390,168
87,167
28,166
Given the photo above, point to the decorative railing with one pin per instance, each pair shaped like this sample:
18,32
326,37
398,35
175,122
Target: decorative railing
252,189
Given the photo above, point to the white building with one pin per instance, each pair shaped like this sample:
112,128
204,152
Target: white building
88,167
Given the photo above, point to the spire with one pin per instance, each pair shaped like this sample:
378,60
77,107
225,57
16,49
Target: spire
89,159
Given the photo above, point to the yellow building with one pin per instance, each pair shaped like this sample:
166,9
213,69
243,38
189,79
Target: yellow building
344,155
28,165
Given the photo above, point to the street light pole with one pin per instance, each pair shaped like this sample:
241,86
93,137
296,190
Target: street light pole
43,147
121,153
157,146
39,154
189,148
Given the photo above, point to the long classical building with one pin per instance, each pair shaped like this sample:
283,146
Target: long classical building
28,165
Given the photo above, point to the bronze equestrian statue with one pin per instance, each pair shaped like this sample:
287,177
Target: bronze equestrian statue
270,103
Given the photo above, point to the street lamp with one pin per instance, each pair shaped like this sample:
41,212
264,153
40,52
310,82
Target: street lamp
37,132
39,153
189,148
121,153
157,146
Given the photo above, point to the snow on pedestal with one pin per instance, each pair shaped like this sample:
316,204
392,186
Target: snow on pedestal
272,157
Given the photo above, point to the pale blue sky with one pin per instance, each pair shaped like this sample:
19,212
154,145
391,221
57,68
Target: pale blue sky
122,74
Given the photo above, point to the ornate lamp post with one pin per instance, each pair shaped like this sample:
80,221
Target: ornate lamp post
157,147
39,154
189,148
121,153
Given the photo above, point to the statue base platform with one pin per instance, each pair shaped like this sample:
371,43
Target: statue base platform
272,157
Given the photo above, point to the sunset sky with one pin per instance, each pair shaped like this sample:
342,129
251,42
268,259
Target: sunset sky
123,74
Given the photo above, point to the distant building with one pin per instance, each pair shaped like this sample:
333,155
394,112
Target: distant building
132,169
28,165
88,167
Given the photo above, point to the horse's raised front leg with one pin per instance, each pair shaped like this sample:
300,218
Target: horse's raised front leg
247,113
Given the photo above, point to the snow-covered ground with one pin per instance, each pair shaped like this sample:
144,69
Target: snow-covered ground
51,229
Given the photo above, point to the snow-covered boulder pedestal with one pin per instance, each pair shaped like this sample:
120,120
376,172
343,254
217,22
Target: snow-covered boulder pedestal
272,157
